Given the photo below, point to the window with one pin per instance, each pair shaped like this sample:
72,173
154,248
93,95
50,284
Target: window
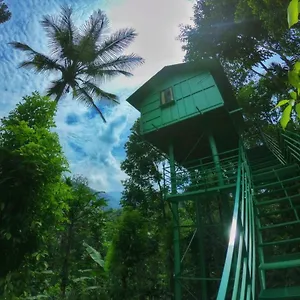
166,96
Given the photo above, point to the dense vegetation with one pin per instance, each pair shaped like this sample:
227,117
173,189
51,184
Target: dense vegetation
58,239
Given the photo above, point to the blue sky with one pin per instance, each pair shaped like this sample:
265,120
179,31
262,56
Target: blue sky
94,149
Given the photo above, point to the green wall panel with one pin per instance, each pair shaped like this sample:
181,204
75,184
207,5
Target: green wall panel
190,91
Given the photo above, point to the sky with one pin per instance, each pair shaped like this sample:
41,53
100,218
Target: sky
93,149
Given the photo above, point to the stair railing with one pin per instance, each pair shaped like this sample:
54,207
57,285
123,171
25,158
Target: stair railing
275,147
238,278
285,145
290,143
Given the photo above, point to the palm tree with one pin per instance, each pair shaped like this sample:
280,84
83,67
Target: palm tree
85,57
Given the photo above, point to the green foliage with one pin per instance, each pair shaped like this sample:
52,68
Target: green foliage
145,180
85,57
85,221
94,254
293,13
145,218
271,14
286,116
62,268
253,42
31,166
293,75
5,14
132,262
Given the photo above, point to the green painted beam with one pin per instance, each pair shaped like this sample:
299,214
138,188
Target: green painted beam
285,293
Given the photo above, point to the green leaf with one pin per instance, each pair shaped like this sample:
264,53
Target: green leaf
47,272
297,108
84,278
297,66
286,116
292,13
281,103
293,78
293,95
90,288
292,102
94,254
7,235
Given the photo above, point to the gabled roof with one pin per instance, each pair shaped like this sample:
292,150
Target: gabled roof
210,65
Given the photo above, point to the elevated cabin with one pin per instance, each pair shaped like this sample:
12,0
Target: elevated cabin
182,104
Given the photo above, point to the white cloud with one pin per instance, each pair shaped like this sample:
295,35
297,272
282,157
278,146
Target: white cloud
157,24
89,144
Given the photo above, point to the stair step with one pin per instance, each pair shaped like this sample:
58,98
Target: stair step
286,293
275,173
281,262
268,185
267,160
273,201
279,242
277,212
267,194
257,151
263,160
279,225
256,167
272,166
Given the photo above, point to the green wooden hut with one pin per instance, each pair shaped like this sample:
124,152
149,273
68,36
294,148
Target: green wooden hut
183,104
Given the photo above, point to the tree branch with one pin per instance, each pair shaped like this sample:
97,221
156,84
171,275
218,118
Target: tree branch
259,74
282,56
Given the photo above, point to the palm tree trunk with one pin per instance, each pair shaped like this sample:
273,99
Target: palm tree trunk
60,93
58,96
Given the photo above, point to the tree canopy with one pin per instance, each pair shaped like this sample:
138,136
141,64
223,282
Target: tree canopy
31,166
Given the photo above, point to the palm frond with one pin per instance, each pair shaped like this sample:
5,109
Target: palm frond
61,33
94,90
23,47
92,32
39,65
123,62
84,97
54,32
56,88
37,61
112,47
96,25
99,73
66,20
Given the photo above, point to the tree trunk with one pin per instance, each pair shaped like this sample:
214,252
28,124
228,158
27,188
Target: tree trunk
65,266
60,93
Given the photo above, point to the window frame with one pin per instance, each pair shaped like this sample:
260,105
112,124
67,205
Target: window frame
163,97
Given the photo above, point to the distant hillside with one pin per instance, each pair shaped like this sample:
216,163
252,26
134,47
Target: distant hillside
112,198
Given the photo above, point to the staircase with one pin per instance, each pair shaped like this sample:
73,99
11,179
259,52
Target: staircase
276,187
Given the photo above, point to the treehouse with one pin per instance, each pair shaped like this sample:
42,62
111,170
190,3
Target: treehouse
185,103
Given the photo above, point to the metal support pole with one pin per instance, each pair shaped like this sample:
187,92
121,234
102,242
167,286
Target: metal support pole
177,285
201,249
216,159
